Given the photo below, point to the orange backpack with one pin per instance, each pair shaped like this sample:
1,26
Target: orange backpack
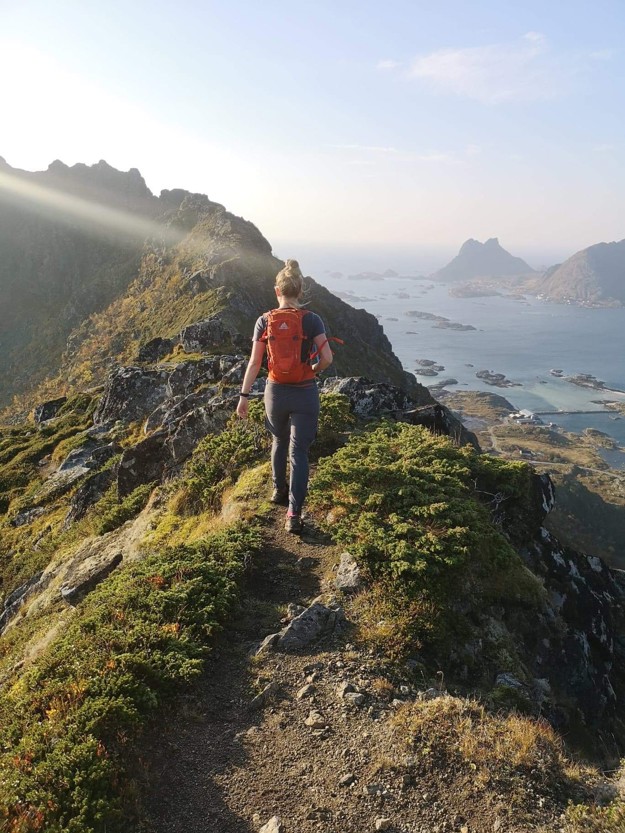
289,353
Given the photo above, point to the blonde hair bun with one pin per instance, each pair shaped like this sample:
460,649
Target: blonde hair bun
290,280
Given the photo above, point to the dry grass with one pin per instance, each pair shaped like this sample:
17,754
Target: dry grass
391,625
461,734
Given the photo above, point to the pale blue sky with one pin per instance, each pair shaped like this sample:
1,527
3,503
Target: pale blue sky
407,124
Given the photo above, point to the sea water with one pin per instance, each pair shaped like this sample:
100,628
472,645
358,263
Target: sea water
521,338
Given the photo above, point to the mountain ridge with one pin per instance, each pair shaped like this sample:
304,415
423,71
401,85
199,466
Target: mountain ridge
594,276
76,299
482,260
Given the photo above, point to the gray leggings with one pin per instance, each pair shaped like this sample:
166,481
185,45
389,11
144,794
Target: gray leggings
292,413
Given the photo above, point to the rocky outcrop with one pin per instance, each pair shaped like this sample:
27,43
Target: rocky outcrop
371,400
131,394
143,463
16,599
88,570
155,350
204,336
48,410
578,645
89,493
348,577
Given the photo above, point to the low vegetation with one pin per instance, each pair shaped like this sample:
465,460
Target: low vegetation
420,515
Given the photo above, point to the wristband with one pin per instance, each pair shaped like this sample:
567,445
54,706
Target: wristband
244,395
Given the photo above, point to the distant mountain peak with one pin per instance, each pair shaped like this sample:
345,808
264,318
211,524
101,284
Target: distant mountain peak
593,276
482,260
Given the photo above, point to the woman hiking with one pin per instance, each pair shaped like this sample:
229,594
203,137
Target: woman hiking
298,350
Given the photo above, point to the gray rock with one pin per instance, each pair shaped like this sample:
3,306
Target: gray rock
47,410
27,516
383,824
307,690
274,825
347,780
131,394
509,681
343,689
155,350
316,720
355,698
204,336
316,621
368,398
264,696
16,599
91,565
143,463
89,493
187,376
91,455
348,578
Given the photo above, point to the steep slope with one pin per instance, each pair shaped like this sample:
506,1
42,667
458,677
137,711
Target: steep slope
94,266
482,260
70,242
594,276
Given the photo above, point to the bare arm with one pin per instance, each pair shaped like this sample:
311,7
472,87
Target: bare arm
325,354
251,372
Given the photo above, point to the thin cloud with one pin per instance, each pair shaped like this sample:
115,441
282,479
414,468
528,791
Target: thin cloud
602,55
379,152
524,70
367,148
387,64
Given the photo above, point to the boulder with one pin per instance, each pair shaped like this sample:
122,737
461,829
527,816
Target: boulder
369,399
204,336
143,463
187,376
316,621
155,350
348,579
185,434
48,410
131,394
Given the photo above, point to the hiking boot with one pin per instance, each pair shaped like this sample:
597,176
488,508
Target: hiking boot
294,524
280,496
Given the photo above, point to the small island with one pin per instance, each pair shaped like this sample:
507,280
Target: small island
439,320
498,380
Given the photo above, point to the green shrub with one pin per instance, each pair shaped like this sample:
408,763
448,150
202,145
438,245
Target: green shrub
133,640
113,513
219,459
404,503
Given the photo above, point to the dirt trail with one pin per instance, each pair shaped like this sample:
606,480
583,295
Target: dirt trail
221,765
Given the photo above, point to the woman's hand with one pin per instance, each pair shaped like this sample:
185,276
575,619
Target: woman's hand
243,407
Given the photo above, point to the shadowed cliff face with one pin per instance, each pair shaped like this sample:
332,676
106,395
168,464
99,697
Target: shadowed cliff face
94,266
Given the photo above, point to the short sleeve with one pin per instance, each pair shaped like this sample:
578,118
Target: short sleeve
259,328
313,325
